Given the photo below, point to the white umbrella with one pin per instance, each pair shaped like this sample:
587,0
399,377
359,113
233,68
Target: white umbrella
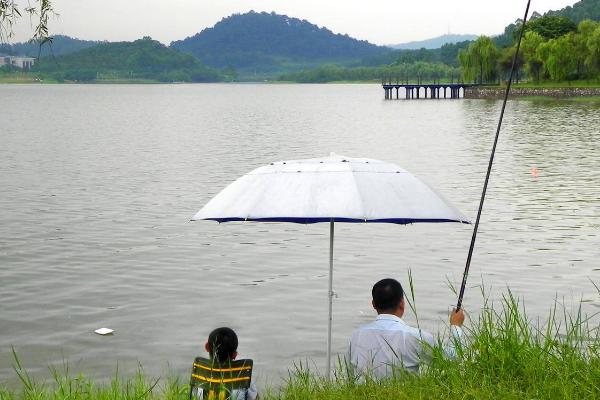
330,189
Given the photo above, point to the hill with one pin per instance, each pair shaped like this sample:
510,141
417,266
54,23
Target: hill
434,43
584,9
143,59
270,42
60,45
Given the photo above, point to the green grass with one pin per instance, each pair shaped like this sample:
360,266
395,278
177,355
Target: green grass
65,386
21,77
581,99
124,81
18,78
507,356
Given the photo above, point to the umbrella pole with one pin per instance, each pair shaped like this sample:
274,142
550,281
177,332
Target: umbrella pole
330,296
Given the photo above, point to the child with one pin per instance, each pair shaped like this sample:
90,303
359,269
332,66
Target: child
222,346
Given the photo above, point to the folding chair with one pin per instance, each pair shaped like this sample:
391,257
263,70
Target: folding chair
212,380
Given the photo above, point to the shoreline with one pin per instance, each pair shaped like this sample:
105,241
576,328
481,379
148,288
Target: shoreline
497,93
531,93
505,355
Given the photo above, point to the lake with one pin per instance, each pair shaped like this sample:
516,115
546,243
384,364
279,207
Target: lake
99,182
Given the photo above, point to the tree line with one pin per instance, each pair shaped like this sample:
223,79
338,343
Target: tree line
396,73
554,48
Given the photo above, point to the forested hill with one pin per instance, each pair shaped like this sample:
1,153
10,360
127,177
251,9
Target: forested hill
268,41
584,9
143,59
60,45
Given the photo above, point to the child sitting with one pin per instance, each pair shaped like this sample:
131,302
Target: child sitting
222,347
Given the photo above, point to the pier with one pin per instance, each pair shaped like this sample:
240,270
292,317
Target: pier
426,90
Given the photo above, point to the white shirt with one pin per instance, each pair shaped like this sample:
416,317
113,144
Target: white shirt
388,341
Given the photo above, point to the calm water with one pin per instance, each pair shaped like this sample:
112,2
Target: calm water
98,184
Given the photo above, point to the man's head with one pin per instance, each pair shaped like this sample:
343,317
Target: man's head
222,344
388,297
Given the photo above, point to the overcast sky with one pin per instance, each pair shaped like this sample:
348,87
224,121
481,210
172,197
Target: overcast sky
378,21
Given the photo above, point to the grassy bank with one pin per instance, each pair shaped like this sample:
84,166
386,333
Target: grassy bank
563,84
20,77
65,386
533,92
507,356
582,99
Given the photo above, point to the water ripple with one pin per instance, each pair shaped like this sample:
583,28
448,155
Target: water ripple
99,183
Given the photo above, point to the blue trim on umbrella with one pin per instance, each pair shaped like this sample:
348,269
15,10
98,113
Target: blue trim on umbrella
402,221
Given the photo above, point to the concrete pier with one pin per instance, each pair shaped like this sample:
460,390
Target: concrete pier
426,90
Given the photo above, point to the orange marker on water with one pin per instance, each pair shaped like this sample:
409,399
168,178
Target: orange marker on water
535,172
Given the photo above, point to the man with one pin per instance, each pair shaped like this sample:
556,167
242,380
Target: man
388,342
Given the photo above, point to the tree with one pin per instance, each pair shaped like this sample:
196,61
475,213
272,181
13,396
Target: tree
578,48
542,53
533,63
479,60
560,60
505,61
587,27
589,46
551,26
39,12
507,38
592,61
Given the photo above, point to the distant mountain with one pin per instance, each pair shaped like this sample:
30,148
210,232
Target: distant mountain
144,59
60,45
584,9
272,42
434,43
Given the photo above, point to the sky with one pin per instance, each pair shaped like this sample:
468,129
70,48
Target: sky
378,21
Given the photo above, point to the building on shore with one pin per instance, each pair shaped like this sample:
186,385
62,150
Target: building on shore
21,62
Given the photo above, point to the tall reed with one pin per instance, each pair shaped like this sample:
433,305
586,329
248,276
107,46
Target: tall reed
505,355
65,386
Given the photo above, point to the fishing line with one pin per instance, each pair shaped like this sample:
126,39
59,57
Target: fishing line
487,176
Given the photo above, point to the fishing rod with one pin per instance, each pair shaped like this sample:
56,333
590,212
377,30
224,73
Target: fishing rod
489,169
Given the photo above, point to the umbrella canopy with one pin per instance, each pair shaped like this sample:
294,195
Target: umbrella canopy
330,189
333,188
